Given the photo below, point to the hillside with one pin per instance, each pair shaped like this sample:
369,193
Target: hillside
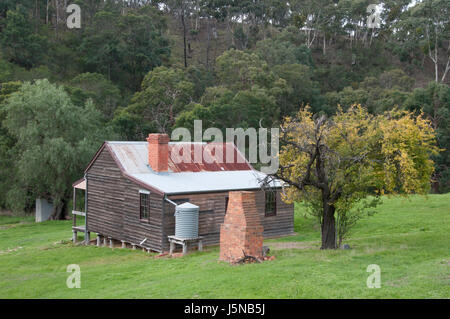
210,41
121,74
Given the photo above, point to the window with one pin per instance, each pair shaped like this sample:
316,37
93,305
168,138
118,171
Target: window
144,205
226,203
271,203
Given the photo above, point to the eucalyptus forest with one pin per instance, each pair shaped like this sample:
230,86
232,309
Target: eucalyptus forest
139,66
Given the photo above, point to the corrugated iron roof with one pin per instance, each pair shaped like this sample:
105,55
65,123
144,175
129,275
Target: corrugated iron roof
134,157
202,182
210,174
213,159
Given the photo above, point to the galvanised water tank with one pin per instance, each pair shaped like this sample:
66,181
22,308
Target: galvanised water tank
186,221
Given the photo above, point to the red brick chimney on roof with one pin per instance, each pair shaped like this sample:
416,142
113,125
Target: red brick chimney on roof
158,152
241,231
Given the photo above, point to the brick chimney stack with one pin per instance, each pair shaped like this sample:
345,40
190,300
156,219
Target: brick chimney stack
158,152
241,231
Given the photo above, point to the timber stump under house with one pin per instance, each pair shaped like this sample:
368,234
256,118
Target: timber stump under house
132,190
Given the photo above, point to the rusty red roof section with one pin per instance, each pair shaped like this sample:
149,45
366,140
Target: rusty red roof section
211,157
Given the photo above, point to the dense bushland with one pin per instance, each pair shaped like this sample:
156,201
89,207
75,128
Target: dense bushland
136,67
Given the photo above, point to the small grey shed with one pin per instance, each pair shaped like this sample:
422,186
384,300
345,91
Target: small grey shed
43,210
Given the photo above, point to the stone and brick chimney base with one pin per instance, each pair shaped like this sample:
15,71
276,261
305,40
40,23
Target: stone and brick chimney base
241,231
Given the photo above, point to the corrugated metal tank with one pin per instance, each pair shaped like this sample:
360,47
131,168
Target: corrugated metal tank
186,221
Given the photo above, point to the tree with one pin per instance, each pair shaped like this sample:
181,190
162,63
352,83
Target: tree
425,28
8,88
239,70
7,5
301,89
201,78
143,46
125,47
181,9
336,163
377,94
104,94
19,42
164,94
6,142
434,102
278,51
54,142
315,18
100,45
222,108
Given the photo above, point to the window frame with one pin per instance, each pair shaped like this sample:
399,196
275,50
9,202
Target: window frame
274,212
144,193
227,199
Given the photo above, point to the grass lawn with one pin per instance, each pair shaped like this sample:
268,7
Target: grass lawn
408,239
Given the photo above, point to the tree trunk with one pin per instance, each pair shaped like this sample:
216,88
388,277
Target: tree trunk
57,17
447,67
208,42
328,227
36,24
184,35
436,71
59,210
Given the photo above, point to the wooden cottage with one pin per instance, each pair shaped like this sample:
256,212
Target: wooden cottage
132,189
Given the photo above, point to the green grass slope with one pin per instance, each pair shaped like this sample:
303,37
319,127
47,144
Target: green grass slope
408,239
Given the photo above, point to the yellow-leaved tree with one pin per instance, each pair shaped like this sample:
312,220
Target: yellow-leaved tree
348,161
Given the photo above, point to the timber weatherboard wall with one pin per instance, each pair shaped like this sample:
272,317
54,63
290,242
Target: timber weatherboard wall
113,206
212,214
